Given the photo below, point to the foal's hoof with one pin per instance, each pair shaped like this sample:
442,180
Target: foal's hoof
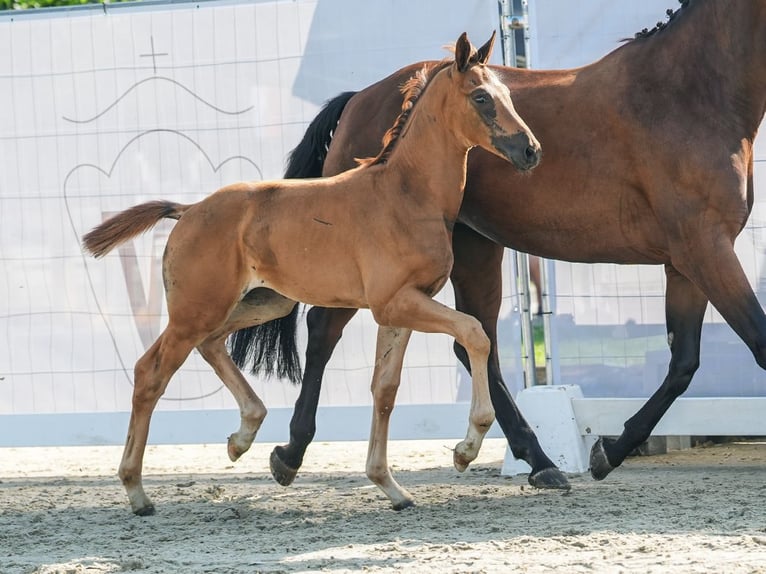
460,462
404,504
464,454
282,473
600,466
233,449
145,511
551,478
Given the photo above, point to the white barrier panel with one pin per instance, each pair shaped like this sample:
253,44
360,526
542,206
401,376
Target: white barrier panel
435,421
686,416
568,424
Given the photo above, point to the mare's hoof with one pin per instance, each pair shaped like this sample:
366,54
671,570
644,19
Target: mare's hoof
282,473
599,464
145,511
403,505
551,478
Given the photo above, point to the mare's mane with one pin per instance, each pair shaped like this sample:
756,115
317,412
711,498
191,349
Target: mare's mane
659,26
412,90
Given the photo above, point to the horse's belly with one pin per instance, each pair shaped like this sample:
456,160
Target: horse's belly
320,285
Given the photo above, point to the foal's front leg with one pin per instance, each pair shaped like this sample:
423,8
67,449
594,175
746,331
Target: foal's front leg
389,356
417,311
477,256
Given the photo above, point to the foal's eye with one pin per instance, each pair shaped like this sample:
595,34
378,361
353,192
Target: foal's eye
481,98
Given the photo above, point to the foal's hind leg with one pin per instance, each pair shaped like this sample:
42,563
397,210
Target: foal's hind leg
325,327
252,411
413,309
152,374
258,306
478,257
389,356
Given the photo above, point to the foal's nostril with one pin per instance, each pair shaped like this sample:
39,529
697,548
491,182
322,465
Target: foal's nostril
532,155
523,151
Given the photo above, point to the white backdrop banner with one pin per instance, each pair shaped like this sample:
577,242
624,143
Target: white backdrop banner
105,107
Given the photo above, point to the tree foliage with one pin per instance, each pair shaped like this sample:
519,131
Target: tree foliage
28,4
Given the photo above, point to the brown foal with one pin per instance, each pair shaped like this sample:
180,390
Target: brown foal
377,236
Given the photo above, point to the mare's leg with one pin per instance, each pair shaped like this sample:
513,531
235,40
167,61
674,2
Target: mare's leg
717,276
685,308
415,310
325,327
477,280
389,356
152,374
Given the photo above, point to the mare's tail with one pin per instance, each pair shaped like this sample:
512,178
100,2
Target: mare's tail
307,159
129,223
271,348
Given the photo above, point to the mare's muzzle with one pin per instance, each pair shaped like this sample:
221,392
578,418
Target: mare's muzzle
522,151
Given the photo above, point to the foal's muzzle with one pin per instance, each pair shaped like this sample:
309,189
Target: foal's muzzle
522,151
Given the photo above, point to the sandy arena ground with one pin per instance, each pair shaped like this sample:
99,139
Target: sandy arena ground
62,510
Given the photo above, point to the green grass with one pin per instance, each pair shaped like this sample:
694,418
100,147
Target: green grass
538,336
605,348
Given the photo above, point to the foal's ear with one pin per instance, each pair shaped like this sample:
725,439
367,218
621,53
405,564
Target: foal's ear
483,54
462,53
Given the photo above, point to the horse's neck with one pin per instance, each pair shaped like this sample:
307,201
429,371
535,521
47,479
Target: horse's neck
430,159
717,50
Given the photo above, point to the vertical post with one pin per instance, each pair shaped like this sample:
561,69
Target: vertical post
546,281
506,32
510,22
527,334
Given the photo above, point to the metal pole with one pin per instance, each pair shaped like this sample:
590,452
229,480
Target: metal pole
546,280
547,313
511,22
527,334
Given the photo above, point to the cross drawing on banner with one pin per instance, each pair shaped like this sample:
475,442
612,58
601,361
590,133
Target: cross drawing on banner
153,55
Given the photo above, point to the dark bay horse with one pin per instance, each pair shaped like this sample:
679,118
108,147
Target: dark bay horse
648,159
378,236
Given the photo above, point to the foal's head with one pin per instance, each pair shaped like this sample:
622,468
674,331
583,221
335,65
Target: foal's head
479,108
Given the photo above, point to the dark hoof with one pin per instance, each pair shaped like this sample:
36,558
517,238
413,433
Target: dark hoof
282,473
145,511
551,478
599,464
404,505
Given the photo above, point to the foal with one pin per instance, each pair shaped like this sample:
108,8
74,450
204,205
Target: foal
377,236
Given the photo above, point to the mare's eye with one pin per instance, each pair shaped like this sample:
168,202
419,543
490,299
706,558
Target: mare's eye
481,97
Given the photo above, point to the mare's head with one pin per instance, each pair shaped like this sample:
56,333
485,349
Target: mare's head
479,108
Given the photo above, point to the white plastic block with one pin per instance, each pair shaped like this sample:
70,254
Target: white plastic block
548,410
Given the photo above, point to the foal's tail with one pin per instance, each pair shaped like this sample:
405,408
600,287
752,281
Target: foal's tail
129,223
271,348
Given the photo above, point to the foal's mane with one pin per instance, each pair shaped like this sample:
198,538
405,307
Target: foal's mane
671,14
412,90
